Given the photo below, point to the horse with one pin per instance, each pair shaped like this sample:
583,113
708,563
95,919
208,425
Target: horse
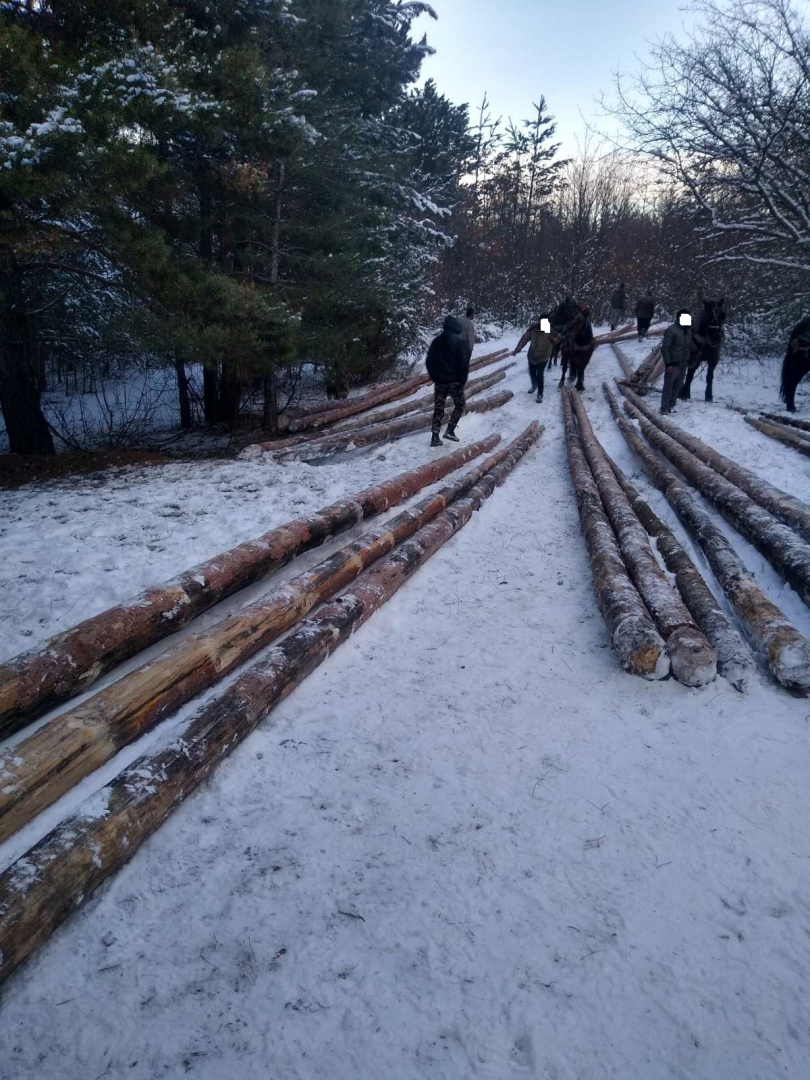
577,349
709,338
796,363
559,318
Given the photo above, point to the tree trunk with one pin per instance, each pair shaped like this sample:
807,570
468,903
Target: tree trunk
230,395
71,662
182,393
20,387
797,440
791,421
62,871
787,508
625,335
733,660
691,656
210,392
637,643
623,361
86,737
375,433
641,375
779,644
270,401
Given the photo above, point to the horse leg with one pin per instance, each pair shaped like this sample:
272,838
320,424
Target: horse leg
686,390
563,368
710,366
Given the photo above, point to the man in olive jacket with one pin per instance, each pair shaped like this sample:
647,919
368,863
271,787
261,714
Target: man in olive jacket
618,302
541,343
676,350
448,364
645,309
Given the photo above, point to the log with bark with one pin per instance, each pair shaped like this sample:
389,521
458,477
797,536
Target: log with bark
733,658
330,414
376,433
627,335
60,754
624,363
791,421
643,372
796,440
62,871
691,656
637,643
785,507
784,651
69,663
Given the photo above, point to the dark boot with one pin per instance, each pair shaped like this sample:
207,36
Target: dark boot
451,435
436,441
539,399
709,397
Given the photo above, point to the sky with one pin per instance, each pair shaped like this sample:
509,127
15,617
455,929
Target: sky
516,50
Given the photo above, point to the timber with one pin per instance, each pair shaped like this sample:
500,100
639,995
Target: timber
69,663
733,658
637,643
624,363
791,421
691,656
62,871
330,414
641,376
394,429
788,509
784,651
797,440
59,755
626,335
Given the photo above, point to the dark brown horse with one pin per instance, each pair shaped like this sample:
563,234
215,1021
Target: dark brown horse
796,363
709,338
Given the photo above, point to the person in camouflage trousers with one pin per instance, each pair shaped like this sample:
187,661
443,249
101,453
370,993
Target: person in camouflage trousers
448,364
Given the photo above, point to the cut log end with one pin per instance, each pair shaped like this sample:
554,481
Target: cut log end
790,662
693,660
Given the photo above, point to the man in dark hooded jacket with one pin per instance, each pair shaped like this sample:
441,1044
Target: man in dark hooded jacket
448,364
676,352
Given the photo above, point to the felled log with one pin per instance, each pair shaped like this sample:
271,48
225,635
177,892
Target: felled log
786,508
794,439
644,370
637,643
623,361
69,663
626,335
791,421
394,429
785,652
62,871
691,656
733,659
322,416
59,755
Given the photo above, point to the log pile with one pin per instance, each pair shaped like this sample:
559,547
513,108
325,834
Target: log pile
59,755
785,550
791,421
61,872
784,651
796,440
627,335
637,643
643,375
69,663
692,658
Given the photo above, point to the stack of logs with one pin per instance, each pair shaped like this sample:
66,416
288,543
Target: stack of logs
60,872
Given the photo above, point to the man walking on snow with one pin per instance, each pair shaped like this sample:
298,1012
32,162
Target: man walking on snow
468,328
645,309
540,349
676,350
448,364
617,305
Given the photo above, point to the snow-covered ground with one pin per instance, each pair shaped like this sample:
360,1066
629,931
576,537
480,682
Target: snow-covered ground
469,845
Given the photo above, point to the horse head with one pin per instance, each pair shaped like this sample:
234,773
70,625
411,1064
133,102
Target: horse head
712,319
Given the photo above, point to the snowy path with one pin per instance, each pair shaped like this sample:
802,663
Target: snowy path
469,845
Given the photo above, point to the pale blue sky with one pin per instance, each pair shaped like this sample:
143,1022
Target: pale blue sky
517,50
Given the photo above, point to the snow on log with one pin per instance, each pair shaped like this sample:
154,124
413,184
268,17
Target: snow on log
624,363
637,643
692,658
785,652
59,755
787,508
733,658
643,372
626,335
394,429
797,440
330,414
791,421
55,877
69,663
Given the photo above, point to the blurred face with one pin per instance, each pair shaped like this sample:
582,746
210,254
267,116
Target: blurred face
685,320
545,326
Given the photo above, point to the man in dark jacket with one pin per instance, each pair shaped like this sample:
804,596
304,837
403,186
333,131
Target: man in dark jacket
618,302
448,364
541,343
645,309
676,351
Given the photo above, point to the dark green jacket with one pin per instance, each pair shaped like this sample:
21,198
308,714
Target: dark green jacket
676,348
645,307
618,299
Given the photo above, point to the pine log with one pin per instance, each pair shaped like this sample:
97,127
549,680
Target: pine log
394,429
626,335
784,651
59,755
644,370
330,414
791,421
624,363
691,656
637,643
62,871
794,439
69,663
733,658
786,508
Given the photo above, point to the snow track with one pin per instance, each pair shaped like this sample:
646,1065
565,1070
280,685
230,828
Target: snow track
469,845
